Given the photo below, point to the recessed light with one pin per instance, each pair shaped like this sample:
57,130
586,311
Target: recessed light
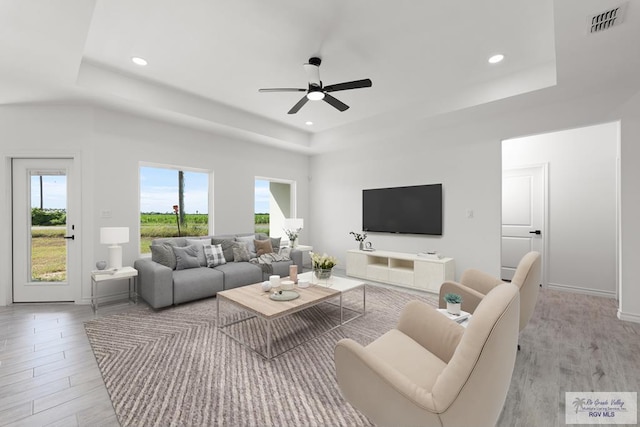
308,123
139,61
496,58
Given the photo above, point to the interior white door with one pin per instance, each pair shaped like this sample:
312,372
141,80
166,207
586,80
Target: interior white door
523,214
45,257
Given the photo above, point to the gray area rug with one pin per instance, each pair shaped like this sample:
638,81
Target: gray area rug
173,366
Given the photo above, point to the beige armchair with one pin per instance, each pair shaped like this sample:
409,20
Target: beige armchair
474,285
430,371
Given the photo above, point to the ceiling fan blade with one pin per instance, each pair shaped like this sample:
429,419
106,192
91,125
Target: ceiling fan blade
313,74
335,103
356,84
282,89
299,105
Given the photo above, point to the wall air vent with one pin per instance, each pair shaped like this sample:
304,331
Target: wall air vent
607,19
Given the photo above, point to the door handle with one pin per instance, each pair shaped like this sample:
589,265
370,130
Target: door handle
538,232
72,237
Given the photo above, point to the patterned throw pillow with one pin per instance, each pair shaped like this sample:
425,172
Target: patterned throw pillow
241,252
214,255
186,257
263,247
250,245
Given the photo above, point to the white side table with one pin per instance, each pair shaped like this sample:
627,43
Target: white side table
462,319
129,273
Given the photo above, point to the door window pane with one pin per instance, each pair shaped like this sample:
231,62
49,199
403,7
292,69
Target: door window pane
48,227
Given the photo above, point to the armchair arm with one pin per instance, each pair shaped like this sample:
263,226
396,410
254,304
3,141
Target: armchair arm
379,391
470,297
433,331
479,280
155,282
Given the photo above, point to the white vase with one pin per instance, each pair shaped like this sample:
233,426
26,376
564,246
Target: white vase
453,308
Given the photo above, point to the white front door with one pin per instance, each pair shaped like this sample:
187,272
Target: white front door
46,248
523,213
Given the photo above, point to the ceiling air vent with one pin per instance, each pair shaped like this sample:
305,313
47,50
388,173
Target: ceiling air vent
607,19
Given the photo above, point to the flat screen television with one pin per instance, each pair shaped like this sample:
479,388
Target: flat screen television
408,210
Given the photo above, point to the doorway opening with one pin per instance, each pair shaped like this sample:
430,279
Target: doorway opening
580,251
275,200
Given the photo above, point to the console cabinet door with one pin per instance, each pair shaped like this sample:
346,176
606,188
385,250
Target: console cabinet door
356,265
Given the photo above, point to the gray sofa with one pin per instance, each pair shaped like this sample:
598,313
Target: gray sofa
166,279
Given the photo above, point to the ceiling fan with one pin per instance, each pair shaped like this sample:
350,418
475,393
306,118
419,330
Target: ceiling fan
316,92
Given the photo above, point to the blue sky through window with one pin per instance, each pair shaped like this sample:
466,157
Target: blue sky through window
159,190
54,191
261,196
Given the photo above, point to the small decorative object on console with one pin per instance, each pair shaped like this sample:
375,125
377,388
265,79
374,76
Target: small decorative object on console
360,238
101,265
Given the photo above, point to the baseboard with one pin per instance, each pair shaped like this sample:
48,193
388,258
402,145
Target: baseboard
629,317
579,290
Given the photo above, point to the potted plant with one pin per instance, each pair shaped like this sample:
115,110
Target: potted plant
322,265
360,238
454,302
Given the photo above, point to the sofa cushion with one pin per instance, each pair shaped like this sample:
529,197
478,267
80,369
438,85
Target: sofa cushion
240,274
214,255
186,257
196,283
250,245
163,254
227,246
241,252
263,247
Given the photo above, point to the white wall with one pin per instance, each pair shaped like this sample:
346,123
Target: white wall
110,147
581,234
464,153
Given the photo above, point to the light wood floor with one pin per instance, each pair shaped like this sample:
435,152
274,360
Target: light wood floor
48,375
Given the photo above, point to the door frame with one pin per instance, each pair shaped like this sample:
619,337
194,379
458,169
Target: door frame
544,277
6,247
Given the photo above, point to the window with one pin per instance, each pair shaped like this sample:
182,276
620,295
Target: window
173,202
274,201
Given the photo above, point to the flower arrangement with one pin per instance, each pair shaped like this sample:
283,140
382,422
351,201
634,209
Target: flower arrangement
324,261
292,234
360,237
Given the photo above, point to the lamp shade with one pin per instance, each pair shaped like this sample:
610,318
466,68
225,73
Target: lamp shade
114,235
293,223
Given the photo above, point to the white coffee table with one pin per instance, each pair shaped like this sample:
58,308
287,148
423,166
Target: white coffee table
253,299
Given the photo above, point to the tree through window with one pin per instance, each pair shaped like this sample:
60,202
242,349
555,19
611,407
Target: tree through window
173,202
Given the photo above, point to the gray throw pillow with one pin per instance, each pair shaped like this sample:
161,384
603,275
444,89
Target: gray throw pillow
249,241
163,254
227,247
186,257
241,252
275,244
199,243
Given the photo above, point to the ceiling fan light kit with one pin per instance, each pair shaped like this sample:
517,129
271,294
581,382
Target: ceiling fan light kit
316,91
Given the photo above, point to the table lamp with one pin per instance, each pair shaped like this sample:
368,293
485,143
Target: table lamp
113,236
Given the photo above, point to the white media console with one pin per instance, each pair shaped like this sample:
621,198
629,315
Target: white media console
403,269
